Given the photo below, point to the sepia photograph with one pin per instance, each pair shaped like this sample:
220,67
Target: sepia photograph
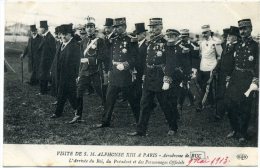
131,83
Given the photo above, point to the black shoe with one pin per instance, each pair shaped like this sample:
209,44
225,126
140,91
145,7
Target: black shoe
242,141
136,134
101,125
232,134
75,119
54,116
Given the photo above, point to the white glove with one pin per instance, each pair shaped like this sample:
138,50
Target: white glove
181,84
77,80
165,86
120,67
194,73
84,60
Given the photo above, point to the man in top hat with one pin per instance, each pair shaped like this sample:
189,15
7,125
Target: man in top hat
67,70
140,32
123,53
93,55
108,32
243,77
53,70
224,36
31,51
157,80
225,68
185,59
210,51
47,50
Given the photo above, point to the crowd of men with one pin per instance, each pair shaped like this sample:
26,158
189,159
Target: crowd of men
138,68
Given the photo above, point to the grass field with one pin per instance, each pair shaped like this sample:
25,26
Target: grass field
26,119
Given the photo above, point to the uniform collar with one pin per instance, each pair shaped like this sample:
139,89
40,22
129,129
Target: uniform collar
158,37
34,36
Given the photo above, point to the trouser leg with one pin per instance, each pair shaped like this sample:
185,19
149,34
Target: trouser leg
112,93
132,99
97,84
43,86
245,107
167,108
146,109
62,97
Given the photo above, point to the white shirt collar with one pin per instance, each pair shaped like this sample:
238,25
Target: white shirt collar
141,42
34,36
46,33
64,44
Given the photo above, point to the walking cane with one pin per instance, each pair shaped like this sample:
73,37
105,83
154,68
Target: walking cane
22,68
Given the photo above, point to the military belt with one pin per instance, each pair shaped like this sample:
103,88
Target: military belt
244,70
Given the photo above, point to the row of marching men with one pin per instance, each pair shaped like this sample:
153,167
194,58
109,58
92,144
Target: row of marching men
142,70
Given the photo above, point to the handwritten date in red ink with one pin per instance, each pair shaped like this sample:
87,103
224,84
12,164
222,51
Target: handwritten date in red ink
207,161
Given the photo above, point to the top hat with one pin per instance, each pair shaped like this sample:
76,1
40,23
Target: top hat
57,30
33,27
109,22
172,31
139,28
119,21
205,28
225,32
244,23
66,28
184,32
43,24
234,31
155,21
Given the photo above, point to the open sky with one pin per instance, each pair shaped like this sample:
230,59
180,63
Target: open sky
175,14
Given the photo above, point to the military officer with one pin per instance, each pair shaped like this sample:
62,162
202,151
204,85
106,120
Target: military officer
185,58
123,54
210,51
47,51
93,55
226,66
245,73
157,80
67,70
31,51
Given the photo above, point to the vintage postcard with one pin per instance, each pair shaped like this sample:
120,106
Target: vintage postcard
130,83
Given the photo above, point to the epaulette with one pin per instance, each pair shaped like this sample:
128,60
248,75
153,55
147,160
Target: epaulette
170,43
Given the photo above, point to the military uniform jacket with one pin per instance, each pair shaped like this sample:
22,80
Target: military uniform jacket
47,51
123,50
156,64
95,54
174,64
32,52
68,65
185,50
246,69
